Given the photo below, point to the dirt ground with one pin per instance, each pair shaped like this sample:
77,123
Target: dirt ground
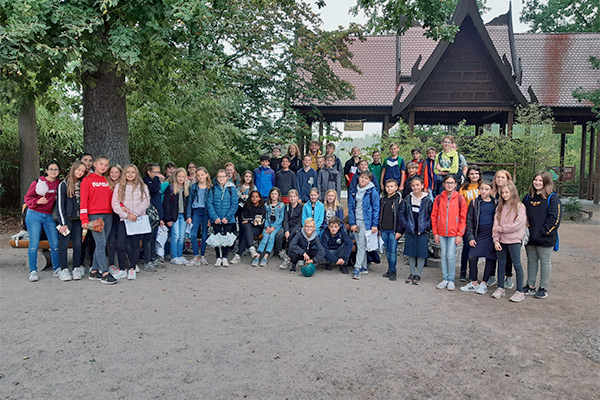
262,333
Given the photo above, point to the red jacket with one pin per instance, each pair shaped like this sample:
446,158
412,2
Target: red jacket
31,198
449,216
96,197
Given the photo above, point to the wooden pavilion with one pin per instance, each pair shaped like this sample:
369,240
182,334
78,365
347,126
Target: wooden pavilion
481,77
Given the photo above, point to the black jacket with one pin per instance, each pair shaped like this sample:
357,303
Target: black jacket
301,244
473,217
330,244
170,206
544,217
396,199
155,194
68,207
292,218
408,219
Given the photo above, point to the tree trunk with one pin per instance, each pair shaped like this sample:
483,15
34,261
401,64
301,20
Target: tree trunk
28,146
105,129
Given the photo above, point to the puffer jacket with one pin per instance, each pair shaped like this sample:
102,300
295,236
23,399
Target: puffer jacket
136,201
222,202
370,206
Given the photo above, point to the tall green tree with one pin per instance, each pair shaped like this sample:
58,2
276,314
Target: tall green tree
561,15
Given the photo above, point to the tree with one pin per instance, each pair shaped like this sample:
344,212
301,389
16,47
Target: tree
561,15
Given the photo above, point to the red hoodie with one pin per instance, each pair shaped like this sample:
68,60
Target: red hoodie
96,197
31,198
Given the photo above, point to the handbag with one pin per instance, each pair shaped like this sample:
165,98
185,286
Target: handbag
153,215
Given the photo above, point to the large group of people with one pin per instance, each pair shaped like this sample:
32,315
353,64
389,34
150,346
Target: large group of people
289,206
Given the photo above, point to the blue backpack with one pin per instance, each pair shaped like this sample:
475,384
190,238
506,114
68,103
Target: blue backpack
557,244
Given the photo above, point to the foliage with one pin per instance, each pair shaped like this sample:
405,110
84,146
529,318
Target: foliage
593,95
573,206
396,16
561,15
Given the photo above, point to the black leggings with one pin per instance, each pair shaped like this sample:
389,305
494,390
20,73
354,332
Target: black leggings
489,270
247,234
127,246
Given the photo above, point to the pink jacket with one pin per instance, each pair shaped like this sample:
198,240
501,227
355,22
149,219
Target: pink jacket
134,201
510,230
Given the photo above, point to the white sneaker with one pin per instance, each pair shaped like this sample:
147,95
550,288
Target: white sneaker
193,262
120,275
469,287
492,281
177,261
450,286
113,270
286,265
33,276
56,272
64,275
218,262
253,252
509,284
482,288
77,273
283,255
183,260
224,262
236,259
203,261
131,275
442,285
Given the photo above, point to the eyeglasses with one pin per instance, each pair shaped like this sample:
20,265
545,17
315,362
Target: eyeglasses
53,169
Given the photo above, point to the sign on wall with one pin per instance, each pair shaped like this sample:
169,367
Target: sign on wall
357,125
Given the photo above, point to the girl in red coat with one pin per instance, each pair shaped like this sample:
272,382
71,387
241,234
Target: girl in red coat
448,223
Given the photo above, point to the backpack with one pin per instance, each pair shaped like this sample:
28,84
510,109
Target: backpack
557,244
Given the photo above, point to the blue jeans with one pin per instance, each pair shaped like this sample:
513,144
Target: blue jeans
199,220
448,246
177,237
514,250
35,222
268,241
100,238
391,246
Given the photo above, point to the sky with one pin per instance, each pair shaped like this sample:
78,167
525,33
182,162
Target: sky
335,13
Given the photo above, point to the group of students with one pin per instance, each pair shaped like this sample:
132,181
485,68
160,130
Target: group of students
291,205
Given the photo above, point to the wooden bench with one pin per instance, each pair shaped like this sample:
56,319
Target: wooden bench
43,247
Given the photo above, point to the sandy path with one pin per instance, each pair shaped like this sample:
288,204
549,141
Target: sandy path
262,333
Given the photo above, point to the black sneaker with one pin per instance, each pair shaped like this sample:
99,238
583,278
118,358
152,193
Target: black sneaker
392,276
386,275
328,267
95,276
108,279
542,293
528,290
463,277
409,279
343,269
416,280
293,269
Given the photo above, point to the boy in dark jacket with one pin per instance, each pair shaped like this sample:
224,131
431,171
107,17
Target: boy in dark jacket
337,245
306,247
389,224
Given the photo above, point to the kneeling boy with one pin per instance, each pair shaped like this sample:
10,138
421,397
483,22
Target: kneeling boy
337,245
306,246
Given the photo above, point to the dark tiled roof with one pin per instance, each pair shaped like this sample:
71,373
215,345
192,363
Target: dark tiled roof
557,64
553,64
375,58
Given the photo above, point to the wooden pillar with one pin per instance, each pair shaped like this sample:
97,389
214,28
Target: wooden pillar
411,121
561,167
597,174
478,130
511,120
386,127
321,130
590,180
584,128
